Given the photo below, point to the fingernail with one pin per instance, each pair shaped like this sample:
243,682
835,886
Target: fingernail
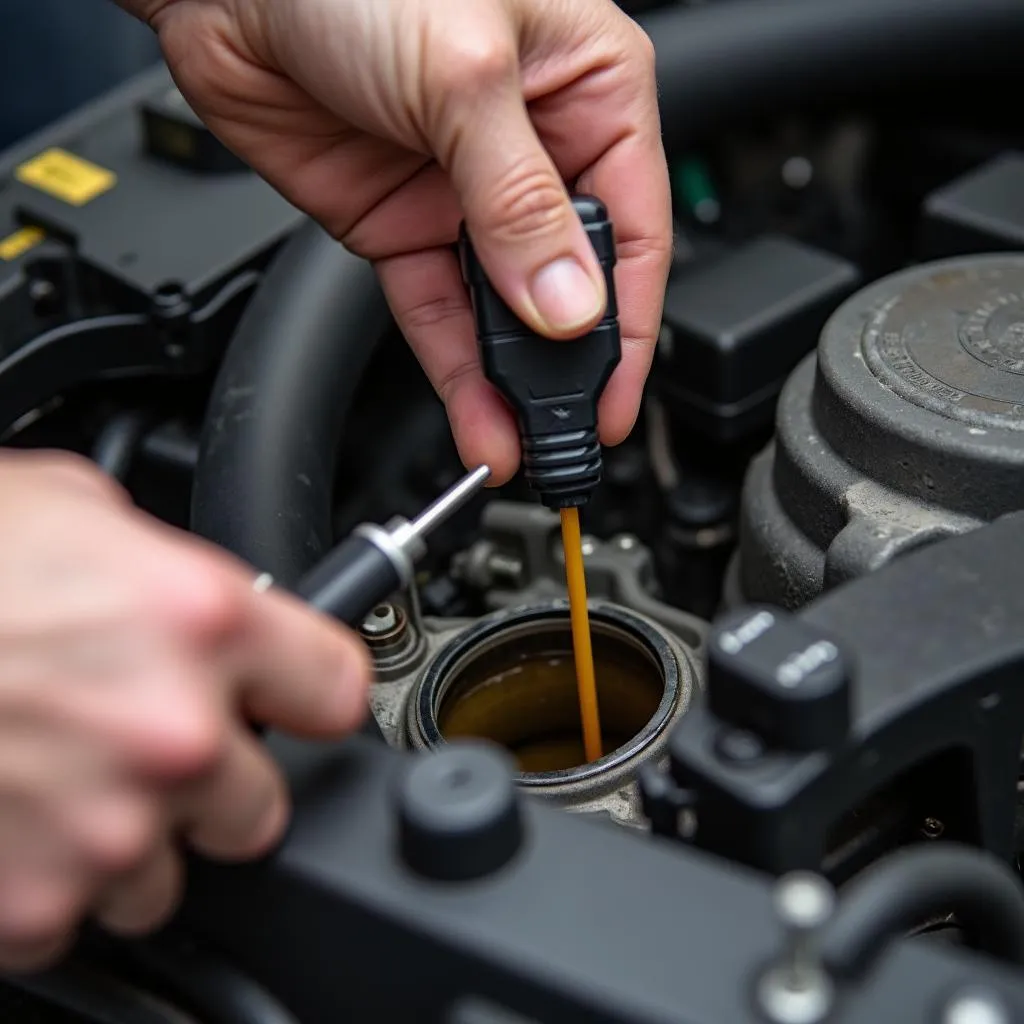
565,296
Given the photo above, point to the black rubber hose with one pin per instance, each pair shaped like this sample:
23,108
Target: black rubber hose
908,888
73,992
115,448
725,61
206,985
264,481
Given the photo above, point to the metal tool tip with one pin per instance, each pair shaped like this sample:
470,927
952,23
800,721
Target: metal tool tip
451,501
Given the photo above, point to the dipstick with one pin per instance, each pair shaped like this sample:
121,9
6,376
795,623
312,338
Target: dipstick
586,682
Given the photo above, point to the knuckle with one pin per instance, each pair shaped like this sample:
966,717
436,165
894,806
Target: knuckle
448,382
471,63
214,607
77,472
205,748
527,204
656,249
68,464
433,312
128,843
191,740
203,62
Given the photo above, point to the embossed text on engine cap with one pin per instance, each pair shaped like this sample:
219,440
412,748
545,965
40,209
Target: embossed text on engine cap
953,342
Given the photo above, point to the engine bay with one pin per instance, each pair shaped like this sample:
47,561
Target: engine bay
827,480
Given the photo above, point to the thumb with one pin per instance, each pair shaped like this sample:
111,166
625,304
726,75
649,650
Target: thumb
518,212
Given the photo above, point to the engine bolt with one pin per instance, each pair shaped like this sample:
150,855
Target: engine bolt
798,990
505,568
975,1007
380,622
739,746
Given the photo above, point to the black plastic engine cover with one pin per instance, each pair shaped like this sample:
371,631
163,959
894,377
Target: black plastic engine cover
907,427
981,212
133,212
130,242
738,326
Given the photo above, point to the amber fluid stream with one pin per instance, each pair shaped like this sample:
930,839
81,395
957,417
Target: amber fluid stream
572,543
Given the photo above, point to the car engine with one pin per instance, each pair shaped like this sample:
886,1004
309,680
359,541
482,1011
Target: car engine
804,564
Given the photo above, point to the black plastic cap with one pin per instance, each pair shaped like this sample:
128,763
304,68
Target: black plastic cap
459,816
982,212
739,323
553,387
175,133
780,678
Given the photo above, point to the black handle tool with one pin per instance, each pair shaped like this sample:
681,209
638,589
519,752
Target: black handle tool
553,386
375,561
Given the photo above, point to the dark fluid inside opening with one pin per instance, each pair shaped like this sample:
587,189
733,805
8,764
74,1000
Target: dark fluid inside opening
519,690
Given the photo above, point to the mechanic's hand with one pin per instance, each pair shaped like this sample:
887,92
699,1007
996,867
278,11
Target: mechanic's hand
385,119
130,659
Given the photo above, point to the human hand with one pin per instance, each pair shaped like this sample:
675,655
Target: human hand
389,121
131,659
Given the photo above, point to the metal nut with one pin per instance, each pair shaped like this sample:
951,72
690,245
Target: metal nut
382,620
975,1007
798,990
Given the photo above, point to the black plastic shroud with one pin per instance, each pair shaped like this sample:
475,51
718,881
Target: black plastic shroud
553,386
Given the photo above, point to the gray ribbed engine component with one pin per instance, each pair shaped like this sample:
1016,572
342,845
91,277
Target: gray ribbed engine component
905,428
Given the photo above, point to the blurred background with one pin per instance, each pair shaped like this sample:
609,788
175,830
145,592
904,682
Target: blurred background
58,54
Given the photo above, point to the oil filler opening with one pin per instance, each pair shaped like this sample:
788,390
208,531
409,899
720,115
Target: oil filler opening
513,681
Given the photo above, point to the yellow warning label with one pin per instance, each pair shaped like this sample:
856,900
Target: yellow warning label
20,242
66,177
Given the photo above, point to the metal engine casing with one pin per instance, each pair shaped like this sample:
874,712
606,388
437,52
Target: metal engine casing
517,564
905,428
